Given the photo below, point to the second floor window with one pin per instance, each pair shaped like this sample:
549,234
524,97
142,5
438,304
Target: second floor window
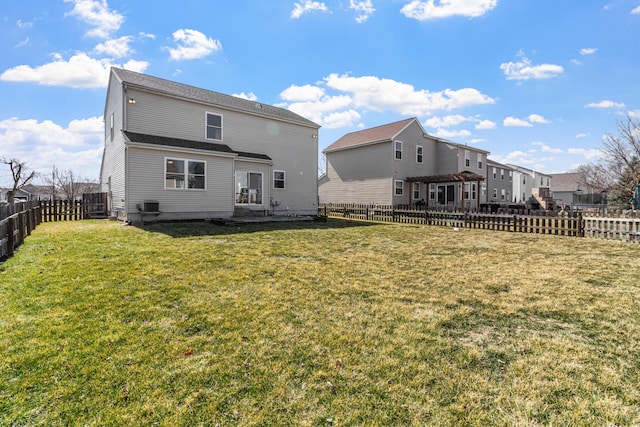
419,154
467,158
214,127
398,148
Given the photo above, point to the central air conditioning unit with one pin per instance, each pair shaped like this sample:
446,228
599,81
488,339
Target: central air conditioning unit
151,206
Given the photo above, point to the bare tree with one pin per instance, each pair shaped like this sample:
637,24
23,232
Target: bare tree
51,182
20,174
68,184
622,157
595,176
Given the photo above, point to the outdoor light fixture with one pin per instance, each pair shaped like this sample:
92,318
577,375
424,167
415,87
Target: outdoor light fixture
132,101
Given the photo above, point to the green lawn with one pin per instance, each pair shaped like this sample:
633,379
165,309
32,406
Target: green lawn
337,323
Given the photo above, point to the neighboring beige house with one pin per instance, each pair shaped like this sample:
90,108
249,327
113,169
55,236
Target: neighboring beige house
174,151
499,184
569,191
532,188
400,164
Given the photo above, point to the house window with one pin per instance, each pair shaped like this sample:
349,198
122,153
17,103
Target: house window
473,191
416,190
111,125
398,187
524,180
398,148
480,158
214,127
502,194
467,187
278,179
467,158
502,174
495,193
183,174
432,191
418,153
495,173
510,175
484,189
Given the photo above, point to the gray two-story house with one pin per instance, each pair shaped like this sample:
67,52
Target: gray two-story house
400,164
174,151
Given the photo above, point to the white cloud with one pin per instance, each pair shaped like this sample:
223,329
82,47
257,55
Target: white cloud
21,24
97,14
582,135
636,10
340,119
78,146
634,114
385,94
137,66
485,125
317,110
192,44
423,10
443,133
605,104
524,70
536,118
24,42
547,149
80,71
364,9
304,93
588,51
476,140
147,35
446,121
116,48
512,121
306,6
590,154
250,96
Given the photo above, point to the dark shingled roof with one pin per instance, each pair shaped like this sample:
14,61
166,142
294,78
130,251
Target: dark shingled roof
452,177
368,136
169,87
185,143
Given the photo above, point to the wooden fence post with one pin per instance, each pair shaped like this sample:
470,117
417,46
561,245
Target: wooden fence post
10,236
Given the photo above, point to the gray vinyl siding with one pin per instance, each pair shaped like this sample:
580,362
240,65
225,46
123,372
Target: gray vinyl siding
292,147
113,161
146,181
359,175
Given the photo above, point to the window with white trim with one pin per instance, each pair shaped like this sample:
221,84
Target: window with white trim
467,158
419,153
278,179
495,173
502,194
184,174
398,150
502,174
480,159
416,190
399,187
432,191
474,191
510,175
495,193
111,125
213,128
467,187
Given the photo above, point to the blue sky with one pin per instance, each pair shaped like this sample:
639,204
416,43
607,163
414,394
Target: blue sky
535,82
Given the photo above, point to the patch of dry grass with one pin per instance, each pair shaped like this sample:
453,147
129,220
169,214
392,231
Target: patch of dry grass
311,324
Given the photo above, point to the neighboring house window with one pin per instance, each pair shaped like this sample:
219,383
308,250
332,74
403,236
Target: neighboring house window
484,189
111,125
418,153
278,179
473,191
510,175
181,174
466,190
398,147
524,197
502,174
432,191
416,190
502,194
495,173
524,180
495,193
480,158
214,127
398,187
467,158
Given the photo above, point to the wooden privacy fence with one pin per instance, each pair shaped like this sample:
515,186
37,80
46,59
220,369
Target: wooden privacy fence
572,224
18,220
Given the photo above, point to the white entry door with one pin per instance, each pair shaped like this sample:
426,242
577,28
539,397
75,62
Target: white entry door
248,188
